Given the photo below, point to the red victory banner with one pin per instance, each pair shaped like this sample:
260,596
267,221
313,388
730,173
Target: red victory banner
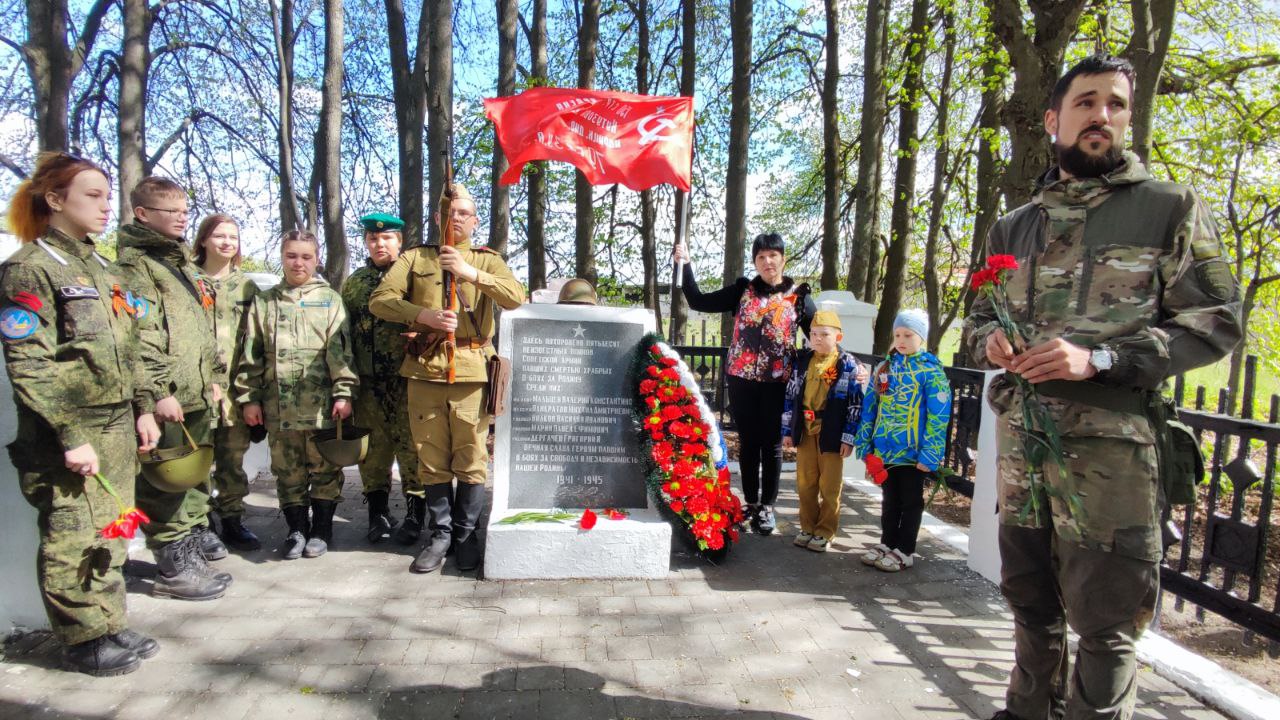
612,137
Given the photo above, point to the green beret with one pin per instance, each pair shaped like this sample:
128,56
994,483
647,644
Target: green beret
378,222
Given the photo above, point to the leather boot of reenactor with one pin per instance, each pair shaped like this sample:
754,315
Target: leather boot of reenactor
203,567
296,517
321,536
142,646
210,545
380,521
239,537
438,501
100,657
178,575
468,503
411,529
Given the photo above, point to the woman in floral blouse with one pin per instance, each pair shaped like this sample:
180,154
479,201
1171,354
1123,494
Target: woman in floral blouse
767,311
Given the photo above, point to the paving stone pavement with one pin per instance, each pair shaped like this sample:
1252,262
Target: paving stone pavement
774,632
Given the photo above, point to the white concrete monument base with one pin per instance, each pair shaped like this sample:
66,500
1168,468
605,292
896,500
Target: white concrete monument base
636,547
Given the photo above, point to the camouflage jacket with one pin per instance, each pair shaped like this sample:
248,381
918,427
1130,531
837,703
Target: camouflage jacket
233,296
377,345
415,282
175,316
1123,261
297,356
69,342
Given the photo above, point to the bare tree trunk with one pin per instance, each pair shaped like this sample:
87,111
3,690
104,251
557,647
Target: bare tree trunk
938,194
584,265
831,170
283,34
1153,22
1037,65
870,134
329,146
904,183
52,64
688,64
439,106
537,171
741,15
131,138
500,195
648,243
409,84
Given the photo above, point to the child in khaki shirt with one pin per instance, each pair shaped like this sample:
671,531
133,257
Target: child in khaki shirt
820,417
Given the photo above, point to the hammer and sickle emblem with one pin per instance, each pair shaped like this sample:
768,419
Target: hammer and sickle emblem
651,127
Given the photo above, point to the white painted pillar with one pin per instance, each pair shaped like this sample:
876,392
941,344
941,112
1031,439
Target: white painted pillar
20,605
984,550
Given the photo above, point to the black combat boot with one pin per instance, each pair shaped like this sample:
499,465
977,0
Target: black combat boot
178,575
100,657
468,503
239,537
411,529
209,543
321,528
202,566
296,517
380,520
143,646
431,558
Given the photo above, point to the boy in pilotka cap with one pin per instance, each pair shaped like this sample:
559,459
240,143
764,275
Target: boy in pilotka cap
820,417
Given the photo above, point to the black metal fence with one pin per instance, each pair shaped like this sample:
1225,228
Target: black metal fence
1223,545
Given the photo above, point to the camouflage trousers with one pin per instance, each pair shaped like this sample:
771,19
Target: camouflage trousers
175,515
230,484
1105,597
382,406
1115,479
450,430
80,576
301,473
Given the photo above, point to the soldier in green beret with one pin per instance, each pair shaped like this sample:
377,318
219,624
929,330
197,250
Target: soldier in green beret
378,347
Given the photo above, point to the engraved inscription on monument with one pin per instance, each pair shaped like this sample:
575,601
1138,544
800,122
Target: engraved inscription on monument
573,444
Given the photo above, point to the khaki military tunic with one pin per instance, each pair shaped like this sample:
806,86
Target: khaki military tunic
448,422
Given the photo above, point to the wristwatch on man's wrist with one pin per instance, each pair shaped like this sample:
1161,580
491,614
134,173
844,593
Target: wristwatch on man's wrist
1102,358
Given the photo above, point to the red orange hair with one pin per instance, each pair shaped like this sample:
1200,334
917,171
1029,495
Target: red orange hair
29,211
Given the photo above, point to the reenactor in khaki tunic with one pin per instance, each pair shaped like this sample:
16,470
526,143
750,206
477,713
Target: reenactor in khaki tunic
1122,284
295,377
180,355
449,423
378,349
70,340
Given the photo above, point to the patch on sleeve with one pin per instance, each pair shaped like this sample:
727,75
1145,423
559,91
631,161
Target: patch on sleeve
17,323
141,306
28,300
1206,247
1216,280
76,292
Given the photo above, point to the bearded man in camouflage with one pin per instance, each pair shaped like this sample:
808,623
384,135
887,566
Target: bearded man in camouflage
1121,284
378,348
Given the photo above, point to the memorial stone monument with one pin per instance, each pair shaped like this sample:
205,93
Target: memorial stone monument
568,442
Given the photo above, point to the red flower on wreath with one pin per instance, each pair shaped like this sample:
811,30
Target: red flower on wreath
647,387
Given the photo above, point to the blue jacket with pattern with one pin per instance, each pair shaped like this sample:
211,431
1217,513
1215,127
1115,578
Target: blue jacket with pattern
906,413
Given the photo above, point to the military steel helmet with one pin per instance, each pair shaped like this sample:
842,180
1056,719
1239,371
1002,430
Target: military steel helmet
177,469
578,292
342,446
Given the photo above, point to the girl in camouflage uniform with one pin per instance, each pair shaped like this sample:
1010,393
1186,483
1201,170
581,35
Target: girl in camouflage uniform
217,252
69,341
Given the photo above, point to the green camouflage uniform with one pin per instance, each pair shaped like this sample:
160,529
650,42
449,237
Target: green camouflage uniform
378,348
71,359
296,362
180,357
232,297
1134,265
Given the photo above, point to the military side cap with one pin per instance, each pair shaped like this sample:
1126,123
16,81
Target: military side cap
827,318
379,222
577,292
460,193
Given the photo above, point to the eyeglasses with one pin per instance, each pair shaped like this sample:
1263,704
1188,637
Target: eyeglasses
461,214
168,210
